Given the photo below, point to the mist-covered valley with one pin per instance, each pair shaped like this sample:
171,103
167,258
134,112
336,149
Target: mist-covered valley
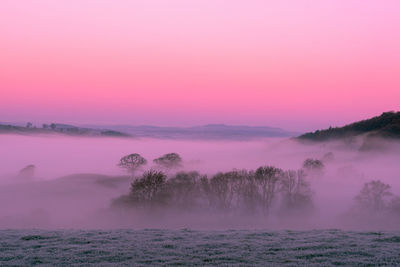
277,183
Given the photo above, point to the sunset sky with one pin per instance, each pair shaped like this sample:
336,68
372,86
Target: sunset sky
298,65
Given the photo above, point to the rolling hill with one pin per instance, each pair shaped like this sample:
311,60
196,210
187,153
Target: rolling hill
203,132
387,125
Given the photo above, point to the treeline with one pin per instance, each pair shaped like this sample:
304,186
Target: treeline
259,191
385,125
264,191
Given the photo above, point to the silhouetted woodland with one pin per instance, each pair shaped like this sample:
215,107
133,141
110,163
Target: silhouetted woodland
236,191
386,125
263,191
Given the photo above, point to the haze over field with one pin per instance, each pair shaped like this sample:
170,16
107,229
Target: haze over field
85,200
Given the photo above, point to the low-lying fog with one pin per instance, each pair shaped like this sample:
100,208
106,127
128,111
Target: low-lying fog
75,181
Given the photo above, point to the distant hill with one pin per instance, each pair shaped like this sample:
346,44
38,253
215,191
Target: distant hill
57,128
386,125
205,132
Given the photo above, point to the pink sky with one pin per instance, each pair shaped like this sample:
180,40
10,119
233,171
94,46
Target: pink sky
298,65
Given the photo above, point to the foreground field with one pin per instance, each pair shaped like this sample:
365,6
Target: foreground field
188,248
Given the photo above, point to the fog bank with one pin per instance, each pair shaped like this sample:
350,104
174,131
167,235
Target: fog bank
75,180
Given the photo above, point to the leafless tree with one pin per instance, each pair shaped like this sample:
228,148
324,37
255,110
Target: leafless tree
267,177
219,185
146,189
183,189
295,190
373,197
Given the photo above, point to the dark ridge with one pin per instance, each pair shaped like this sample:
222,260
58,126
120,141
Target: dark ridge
387,125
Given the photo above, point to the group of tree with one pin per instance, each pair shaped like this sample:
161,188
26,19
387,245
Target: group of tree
239,191
44,125
52,126
134,162
313,165
262,191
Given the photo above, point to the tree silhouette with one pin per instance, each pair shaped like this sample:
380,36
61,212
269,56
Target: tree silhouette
183,189
295,190
313,164
267,177
170,160
147,188
373,196
132,162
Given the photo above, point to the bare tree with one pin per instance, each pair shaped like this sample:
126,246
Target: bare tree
219,185
373,197
295,190
229,189
205,190
246,192
146,190
183,189
267,177
132,162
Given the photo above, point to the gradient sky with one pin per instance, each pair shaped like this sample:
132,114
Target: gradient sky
298,65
